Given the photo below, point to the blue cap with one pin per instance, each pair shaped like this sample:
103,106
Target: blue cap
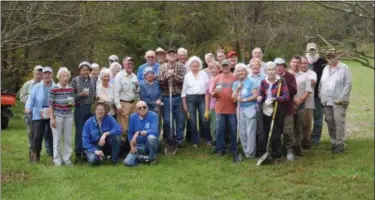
148,70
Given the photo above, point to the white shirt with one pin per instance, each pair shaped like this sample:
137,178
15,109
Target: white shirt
303,84
125,88
106,94
310,102
195,85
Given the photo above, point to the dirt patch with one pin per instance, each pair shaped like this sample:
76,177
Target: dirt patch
8,177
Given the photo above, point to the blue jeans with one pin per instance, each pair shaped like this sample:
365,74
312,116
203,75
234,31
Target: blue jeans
221,120
150,148
178,117
194,103
81,114
111,146
318,121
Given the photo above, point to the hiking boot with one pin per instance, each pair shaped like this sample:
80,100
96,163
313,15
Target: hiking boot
33,158
338,149
290,156
181,145
297,151
78,158
155,161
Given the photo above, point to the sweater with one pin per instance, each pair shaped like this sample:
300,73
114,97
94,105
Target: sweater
149,123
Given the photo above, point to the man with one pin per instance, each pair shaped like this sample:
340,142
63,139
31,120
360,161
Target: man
220,55
225,109
233,59
172,75
23,95
182,55
257,53
143,136
160,55
126,91
112,58
303,92
101,135
288,133
334,92
309,105
150,62
317,64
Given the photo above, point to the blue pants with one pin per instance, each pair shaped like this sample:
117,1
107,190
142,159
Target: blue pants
81,114
178,117
150,148
221,120
318,121
194,103
111,146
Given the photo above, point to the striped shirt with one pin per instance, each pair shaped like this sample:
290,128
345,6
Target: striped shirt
59,100
178,78
265,85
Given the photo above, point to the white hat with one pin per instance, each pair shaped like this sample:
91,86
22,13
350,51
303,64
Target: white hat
311,47
47,69
159,50
279,61
38,67
113,58
84,63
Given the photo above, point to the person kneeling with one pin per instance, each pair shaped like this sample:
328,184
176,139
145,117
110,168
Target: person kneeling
143,136
101,135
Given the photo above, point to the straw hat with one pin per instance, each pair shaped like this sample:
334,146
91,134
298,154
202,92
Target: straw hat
106,106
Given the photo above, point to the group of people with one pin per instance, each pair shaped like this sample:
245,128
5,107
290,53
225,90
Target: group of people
116,110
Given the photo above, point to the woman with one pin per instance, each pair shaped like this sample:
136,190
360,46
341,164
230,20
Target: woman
105,90
245,93
101,135
115,68
37,104
61,98
95,69
209,58
254,71
210,113
268,96
150,91
193,97
85,90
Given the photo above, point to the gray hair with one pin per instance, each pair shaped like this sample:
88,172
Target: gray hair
104,71
195,59
115,66
149,52
63,70
270,64
240,66
94,65
182,51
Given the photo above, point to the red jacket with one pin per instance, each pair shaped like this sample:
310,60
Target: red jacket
292,87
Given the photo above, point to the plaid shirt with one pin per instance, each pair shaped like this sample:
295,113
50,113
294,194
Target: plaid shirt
178,78
284,93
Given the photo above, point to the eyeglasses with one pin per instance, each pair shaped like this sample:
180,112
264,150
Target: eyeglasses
143,107
150,57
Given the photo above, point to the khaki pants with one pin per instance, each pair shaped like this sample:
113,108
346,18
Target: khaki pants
123,117
288,133
335,117
307,127
298,123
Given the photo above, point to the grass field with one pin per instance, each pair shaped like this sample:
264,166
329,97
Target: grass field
196,174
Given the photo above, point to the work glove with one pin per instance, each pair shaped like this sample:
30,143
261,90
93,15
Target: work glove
207,114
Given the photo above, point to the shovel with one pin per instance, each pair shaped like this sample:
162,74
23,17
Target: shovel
267,154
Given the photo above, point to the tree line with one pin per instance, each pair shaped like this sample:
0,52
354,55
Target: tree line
65,33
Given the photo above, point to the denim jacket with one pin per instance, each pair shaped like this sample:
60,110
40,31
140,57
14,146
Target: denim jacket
91,133
35,99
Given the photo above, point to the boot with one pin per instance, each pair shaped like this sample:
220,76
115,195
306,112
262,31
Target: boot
78,158
33,158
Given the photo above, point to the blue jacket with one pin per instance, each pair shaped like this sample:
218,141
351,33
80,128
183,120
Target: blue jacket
91,134
141,68
35,100
149,124
150,93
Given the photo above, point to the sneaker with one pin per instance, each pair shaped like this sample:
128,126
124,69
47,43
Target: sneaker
208,145
181,145
68,163
290,156
195,146
220,153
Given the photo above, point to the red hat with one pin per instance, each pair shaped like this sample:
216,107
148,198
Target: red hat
232,53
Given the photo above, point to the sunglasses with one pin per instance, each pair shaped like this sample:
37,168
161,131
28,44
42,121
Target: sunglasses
143,107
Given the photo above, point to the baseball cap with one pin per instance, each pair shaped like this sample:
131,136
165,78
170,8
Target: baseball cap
225,62
159,50
84,63
279,61
311,47
232,53
113,58
37,68
172,50
127,58
148,70
47,69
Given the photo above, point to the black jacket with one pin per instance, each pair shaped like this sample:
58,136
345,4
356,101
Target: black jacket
318,67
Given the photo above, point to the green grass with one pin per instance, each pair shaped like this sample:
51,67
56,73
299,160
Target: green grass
196,174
